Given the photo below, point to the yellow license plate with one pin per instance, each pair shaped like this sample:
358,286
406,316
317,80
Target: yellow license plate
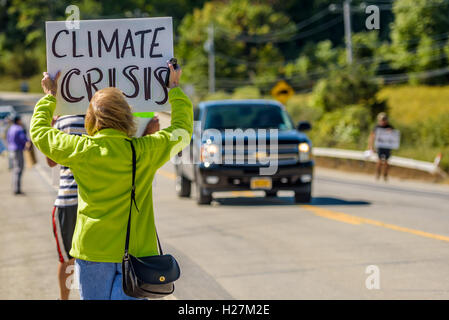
260,183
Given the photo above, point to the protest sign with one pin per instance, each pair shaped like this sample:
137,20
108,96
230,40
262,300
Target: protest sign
130,54
387,139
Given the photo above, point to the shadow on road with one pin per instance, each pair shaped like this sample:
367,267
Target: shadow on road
286,201
323,201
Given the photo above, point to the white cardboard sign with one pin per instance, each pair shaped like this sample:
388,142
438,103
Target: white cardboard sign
130,54
387,138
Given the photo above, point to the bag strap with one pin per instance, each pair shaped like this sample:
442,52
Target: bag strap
133,200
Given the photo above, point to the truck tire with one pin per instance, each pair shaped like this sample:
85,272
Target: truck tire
183,187
270,194
201,197
304,196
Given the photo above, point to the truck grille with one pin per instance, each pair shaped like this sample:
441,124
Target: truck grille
285,154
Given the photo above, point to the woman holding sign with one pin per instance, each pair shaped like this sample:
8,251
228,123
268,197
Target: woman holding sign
102,167
382,153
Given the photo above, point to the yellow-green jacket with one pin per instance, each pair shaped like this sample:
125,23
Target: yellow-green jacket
102,167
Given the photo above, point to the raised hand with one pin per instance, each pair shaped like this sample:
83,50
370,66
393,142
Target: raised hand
50,85
174,76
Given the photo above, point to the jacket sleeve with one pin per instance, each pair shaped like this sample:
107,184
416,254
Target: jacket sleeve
167,142
61,147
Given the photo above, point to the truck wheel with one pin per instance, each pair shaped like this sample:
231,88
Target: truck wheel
303,197
201,197
183,187
270,194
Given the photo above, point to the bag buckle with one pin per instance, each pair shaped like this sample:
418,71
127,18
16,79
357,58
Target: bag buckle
133,191
126,256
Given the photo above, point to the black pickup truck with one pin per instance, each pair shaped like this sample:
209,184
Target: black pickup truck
245,145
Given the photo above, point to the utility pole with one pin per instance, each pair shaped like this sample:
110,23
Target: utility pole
211,50
348,31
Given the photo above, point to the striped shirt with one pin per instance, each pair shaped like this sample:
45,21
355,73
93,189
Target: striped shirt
68,189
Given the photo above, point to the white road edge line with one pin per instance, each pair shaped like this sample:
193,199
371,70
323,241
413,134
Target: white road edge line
45,176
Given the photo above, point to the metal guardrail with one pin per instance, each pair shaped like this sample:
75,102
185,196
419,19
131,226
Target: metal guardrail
429,167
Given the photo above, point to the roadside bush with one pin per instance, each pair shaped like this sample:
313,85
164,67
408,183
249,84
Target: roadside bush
300,109
21,63
426,138
8,83
444,164
343,128
247,92
219,95
350,86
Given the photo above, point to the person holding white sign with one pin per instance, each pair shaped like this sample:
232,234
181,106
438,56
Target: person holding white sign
101,163
383,152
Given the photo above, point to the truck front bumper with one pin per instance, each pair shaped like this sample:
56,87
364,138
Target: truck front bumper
233,178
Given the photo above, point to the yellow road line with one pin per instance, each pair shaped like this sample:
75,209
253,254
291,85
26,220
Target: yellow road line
347,218
167,174
338,216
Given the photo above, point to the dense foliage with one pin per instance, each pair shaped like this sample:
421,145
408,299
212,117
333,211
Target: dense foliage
259,42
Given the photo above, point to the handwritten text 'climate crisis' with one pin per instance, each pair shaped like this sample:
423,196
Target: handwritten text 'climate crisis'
140,44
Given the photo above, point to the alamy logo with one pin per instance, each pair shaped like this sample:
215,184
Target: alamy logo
372,22
73,20
373,280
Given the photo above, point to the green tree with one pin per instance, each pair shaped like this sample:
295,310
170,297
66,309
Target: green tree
418,35
238,62
22,25
315,60
353,85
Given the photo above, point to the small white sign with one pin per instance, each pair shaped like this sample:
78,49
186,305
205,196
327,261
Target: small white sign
387,138
130,54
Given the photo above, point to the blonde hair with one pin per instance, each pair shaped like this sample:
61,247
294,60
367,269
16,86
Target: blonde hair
382,116
108,109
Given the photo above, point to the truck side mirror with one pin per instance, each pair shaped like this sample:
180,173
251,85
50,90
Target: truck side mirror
304,126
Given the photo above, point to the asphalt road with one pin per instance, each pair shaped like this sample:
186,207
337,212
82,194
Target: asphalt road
248,247
245,246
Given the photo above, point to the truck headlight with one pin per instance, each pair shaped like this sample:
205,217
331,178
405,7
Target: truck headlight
210,153
304,147
304,152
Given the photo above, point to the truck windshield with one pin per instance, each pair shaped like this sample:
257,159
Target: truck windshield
247,116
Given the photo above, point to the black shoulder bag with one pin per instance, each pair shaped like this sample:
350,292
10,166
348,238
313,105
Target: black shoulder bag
147,277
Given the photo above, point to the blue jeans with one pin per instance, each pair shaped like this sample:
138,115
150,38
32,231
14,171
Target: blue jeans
100,280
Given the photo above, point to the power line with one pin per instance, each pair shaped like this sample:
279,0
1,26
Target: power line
426,74
307,79
304,34
282,63
277,36
267,36
416,40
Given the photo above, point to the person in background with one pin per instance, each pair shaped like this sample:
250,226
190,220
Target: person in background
17,142
4,126
101,163
8,123
66,205
382,153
